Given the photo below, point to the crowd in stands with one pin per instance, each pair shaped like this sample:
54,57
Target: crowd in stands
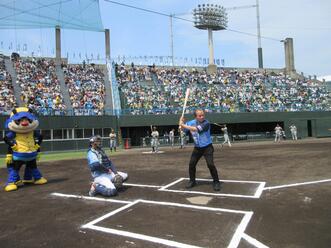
86,88
225,91
7,98
158,90
40,87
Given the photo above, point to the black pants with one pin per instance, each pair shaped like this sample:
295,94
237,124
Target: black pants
208,153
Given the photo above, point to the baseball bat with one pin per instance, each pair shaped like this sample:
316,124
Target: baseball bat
185,101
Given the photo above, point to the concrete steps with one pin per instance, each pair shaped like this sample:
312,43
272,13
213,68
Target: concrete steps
64,89
17,88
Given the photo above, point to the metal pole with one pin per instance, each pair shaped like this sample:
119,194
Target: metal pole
107,45
171,41
211,46
259,49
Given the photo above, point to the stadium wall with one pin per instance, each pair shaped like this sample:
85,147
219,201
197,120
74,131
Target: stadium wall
309,124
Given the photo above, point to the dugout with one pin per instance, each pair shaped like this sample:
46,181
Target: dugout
72,132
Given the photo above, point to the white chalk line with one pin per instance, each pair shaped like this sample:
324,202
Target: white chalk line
173,183
141,185
210,194
142,237
89,198
253,241
109,214
257,193
296,184
240,230
233,243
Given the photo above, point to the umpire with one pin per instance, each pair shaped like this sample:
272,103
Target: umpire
200,130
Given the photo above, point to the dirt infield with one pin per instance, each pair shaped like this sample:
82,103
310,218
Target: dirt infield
273,195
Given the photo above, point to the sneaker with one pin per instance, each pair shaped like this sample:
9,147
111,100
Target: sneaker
191,184
217,186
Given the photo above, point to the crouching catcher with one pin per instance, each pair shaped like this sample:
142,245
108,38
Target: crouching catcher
23,148
106,179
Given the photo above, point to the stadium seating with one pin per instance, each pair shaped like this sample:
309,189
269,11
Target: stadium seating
7,98
86,88
40,88
157,90
225,91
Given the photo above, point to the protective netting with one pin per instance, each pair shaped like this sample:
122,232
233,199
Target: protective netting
67,14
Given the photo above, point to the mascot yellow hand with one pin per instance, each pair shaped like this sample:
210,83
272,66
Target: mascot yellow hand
37,147
38,156
15,147
9,158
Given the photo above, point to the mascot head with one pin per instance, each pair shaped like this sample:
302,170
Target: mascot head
22,120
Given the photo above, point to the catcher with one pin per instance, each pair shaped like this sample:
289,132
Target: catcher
106,179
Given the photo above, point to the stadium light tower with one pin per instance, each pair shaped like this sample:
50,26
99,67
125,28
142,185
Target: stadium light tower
211,17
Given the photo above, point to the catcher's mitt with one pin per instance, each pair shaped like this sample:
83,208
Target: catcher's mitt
118,181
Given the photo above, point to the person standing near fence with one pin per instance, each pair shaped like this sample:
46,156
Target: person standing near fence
293,129
278,133
172,137
112,141
226,135
155,140
200,131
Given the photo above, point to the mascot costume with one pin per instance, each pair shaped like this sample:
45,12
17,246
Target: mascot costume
23,148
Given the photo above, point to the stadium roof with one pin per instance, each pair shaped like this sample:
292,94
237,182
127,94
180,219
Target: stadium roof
68,14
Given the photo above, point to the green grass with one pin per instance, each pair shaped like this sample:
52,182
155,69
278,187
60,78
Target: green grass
58,156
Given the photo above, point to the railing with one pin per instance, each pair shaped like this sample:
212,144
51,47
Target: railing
174,110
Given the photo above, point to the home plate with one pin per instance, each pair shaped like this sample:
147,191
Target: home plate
151,152
201,200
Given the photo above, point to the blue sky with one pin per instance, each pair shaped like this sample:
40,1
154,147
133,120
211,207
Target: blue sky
136,33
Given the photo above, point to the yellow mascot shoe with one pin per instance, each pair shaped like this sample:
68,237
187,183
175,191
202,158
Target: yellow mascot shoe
19,183
28,181
41,181
11,187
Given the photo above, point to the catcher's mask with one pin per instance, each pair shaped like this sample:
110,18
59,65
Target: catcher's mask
96,139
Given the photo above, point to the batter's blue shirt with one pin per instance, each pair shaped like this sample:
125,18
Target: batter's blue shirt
202,137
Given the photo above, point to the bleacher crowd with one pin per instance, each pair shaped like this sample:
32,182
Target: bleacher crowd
226,91
157,90
40,87
86,88
7,98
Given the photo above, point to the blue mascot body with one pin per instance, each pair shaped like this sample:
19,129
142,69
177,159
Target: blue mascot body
23,148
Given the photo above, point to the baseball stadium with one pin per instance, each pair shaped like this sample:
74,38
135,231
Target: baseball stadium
216,114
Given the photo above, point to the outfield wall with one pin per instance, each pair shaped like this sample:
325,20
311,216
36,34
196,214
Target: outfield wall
309,124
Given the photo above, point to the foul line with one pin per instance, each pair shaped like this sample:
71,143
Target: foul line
253,241
296,184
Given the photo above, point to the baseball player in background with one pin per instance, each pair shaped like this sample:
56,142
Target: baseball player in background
112,141
200,130
278,133
172,137
155,140
293,129
106,179
182,138
226,135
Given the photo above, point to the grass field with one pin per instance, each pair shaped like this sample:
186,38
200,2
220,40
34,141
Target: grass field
57,156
